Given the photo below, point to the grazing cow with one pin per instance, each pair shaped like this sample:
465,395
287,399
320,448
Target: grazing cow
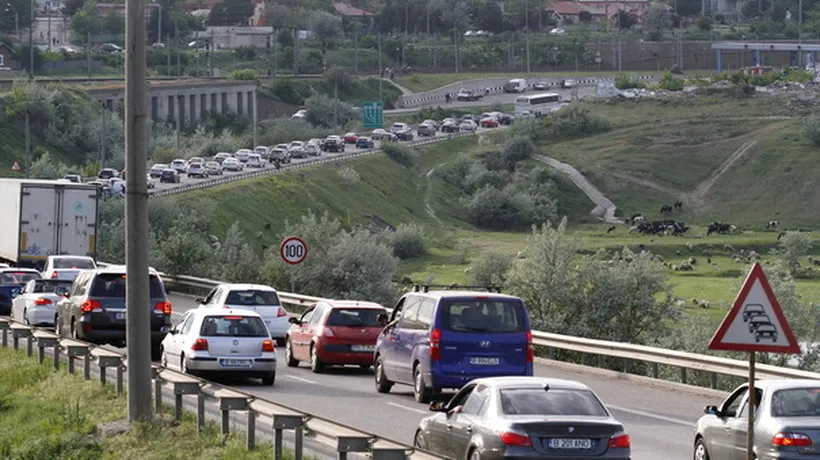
611,229
720,228
773,225
679,206
666,209
660,228
636,217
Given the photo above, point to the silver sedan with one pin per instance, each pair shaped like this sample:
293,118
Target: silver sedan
787,423
37,302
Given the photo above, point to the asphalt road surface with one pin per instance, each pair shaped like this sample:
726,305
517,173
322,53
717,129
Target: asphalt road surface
660,420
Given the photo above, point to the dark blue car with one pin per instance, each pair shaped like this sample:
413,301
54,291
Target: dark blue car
365,143
12,282
443,339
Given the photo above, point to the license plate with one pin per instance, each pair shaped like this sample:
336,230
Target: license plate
570,443
484,361
362,347
119,316
235,362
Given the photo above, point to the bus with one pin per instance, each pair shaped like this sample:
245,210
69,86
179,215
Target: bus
537,105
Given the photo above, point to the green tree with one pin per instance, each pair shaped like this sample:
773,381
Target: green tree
86,21
793,246
46,167
327,112
490,269
408,241
14,13
231,13
326,28
657,19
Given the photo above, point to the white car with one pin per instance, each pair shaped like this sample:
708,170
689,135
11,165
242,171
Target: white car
36,304
255,161
301,114
180,165
152,183
254,297
313,149
295,145
224,340
468,125
399,127
222,156
213,167
378,134
315,141
243,154
262,151
66,267
232,164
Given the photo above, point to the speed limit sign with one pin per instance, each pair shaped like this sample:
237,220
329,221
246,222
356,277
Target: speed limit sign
293,250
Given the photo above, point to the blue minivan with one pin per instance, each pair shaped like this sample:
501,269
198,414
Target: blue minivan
444,339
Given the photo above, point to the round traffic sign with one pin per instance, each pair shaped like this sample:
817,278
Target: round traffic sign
293,250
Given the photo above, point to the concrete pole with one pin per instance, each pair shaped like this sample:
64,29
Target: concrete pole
31,80
159,24
255,120
527,31
381,69
138,320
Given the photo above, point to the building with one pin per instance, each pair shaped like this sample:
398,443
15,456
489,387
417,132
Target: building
6,54
600,11
347,10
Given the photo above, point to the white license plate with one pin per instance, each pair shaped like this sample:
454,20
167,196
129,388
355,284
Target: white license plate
235,362
484,361
570,443
362,347
120,315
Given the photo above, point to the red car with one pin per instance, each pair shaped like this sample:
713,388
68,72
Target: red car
335,332
489,122
351,138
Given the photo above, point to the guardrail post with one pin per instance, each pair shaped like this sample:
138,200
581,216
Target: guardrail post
56,353
44,339
714,380
251,430
654,370
626,365
683,375
347,444
29,344
73,350
228,401
287,422
157,390
200,412
87,367
4,329
120,369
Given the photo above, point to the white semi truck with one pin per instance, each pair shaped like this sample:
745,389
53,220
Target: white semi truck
39,218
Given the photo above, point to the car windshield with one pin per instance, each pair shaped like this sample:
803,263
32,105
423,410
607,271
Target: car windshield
796,402
20,277
113,285
354,317
483,315
49,286
73,262
252,297
233,326
538,401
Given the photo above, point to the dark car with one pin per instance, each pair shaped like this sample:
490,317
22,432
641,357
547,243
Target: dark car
449,126
405,135
108,173
170,175
12,282
365,143
523,417
445,339
426,130
94,310
333,144
506,119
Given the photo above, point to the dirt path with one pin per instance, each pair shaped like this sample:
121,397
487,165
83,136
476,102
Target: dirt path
604,207
697,197
429,192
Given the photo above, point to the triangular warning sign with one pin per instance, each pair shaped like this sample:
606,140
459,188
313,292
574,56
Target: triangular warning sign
756,321
15,167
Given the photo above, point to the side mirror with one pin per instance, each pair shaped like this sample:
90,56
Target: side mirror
61,291
382,319
437,406
199,301
294,320
711,410
173,331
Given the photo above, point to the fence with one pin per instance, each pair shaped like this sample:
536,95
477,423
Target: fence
305,428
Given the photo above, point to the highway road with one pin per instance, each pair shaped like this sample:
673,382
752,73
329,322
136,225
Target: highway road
660,418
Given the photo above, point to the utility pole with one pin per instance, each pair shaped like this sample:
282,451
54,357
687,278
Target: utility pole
176,39
356,56
88,53
336,105
167,58
255,120
159,23
527,31
31,81
428,17
102,136
211,46
138,320
381,69
196,37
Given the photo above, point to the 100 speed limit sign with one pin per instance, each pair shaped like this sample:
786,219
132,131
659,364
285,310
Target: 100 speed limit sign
293,250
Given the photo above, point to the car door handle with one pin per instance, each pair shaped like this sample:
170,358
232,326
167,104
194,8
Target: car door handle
449,426
469,428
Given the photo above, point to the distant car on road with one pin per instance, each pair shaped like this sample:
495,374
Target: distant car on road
351,138
213,168
197,170
170,176
257,298
36,304
468,95
12,281
156,170
365,143
66,267
232,164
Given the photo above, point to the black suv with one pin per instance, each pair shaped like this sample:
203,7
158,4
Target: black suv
405,135
333,144
93,308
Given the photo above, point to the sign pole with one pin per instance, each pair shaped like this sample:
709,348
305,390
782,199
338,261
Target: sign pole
750,435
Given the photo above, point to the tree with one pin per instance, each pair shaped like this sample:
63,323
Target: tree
72,6
625,19
326,27
657,20
231,13
585,17
46,167
408,241
86,21
9,20
490,269
793,247
327,112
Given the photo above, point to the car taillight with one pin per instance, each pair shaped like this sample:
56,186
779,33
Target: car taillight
164,307
620,441
200,345
42,301
326,332
787,438
54,275
510,438
435,345
281,313
267,345
90,305
530,348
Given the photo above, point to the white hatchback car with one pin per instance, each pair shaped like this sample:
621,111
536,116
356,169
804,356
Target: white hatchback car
221,340
257,298
67,267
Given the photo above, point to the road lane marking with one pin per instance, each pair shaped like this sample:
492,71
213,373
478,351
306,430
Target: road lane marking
413,409
301,379
651,415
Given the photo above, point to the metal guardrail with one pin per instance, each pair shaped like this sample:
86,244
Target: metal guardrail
344,439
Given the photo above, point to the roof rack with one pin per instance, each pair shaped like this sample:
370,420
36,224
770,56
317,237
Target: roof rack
426,287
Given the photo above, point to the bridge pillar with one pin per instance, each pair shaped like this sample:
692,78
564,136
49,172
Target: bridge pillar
719,60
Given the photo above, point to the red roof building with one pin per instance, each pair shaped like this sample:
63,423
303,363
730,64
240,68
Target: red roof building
344,9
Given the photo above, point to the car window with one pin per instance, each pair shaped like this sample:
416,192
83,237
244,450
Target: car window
424,319
552,401
73,262
796,402
305,319
483,315
317,315
49,286
19,277
252,297
732,404
186,326
113,285
461,397
742,413
410,313
354,317
476,400
233,326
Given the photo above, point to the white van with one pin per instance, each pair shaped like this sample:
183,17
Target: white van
516,85
399,127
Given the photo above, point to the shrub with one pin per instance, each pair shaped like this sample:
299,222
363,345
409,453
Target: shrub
399,153
811,128
498,209
670,83
517,148
349,176
326,112
285,130
481,177
244,74
490,269
408,241
624,81
456,173
570,123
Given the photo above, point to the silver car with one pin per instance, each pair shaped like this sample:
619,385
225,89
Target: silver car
787,423
221,341
36,304
523,417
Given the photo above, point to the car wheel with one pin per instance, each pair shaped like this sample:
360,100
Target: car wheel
419,441
289,359
25,317
474,455
421,392
316,365
382,384
183,365
57,328
700,450
75,333
163,360
268,380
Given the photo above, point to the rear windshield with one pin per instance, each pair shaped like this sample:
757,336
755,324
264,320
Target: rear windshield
17,277
252,297
538,401
73,262
113,285
354,317
796,402
483,315
50,286
233,326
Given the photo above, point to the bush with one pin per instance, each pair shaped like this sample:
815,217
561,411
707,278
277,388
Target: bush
670,83
349,176
517,148
811,128
499,209
244,74
624,81
399,153
481,177
456,173
326,112
408,241
571,123
490,269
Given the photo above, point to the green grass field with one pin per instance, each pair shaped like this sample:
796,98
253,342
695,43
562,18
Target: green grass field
419,83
